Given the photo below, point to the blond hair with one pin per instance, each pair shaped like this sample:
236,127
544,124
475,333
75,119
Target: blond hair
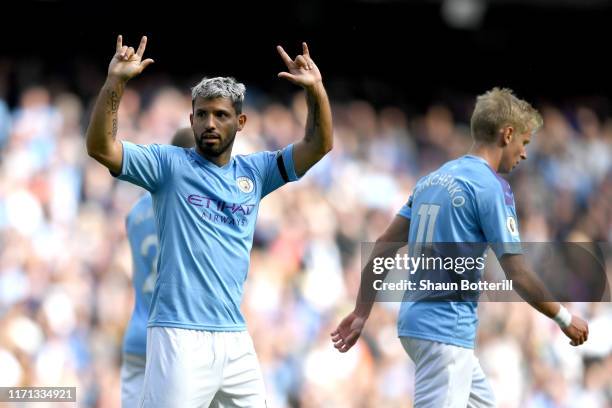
499,107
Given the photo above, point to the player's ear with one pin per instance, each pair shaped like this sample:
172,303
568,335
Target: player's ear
241,121
507,133
191,119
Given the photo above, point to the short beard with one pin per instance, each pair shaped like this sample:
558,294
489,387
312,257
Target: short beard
214,151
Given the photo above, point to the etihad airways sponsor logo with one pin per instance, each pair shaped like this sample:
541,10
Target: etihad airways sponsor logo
224,219
219,205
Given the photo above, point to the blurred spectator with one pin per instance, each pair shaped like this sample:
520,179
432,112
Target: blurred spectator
65,296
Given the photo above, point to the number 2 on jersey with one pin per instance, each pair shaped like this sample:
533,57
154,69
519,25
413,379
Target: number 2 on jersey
150,243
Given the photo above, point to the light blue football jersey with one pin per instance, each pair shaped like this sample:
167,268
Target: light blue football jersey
142,236
464,201
205,216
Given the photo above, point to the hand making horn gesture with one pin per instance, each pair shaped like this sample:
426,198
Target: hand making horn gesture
302,71
126,62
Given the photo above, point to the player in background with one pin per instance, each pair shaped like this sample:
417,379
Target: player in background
144,246
205,202
464,201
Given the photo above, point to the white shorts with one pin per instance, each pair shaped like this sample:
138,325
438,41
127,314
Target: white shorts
447,376
195,368
132,378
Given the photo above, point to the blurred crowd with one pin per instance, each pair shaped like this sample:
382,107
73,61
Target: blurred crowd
65,265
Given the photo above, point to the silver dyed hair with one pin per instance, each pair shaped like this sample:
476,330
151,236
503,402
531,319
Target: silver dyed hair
220,87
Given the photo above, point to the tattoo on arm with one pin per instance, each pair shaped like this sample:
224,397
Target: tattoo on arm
114,131
113,105
114,102
312,121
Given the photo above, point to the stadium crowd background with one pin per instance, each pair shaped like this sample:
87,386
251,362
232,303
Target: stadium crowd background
65,293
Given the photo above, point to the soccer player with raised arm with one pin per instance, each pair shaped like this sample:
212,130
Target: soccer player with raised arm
464,201
205,203
144,246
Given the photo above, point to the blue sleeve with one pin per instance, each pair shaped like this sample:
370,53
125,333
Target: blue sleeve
275,169
498,220
406,210
144,165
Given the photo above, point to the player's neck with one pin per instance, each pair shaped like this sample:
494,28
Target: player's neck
220,160
489,153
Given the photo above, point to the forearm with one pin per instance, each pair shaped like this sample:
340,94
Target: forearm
366,296
533,291
367,293
102,129
318,134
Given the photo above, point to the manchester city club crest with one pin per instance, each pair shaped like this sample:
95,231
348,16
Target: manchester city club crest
245,184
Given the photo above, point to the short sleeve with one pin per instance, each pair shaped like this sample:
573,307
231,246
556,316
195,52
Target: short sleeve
274,168
144,165
498,219
406,210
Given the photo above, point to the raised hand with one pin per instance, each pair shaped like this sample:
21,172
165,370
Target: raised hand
126,62
348,331
302,70
577,331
